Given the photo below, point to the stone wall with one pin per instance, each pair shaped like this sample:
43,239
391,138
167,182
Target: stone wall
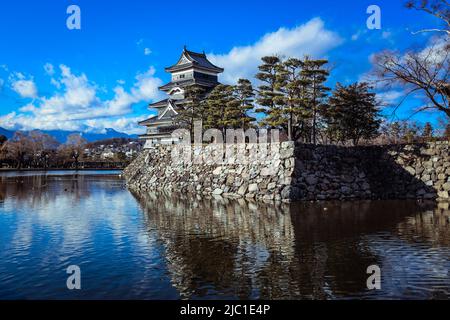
286,172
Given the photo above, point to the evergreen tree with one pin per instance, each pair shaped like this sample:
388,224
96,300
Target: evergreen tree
227,106
243,100
291,102
353,113
216,113
192,110
314,76
269,73
292,94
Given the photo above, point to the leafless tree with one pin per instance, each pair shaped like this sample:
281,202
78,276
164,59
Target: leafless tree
19,148
437,8
425,72
422,72
43,146
73,149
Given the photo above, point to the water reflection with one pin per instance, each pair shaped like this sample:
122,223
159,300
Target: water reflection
50,222
227,248
222,248
161,246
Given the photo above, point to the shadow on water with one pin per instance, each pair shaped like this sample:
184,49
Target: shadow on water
230,248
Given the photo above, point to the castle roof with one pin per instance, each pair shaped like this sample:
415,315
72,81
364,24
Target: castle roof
188,82
190,59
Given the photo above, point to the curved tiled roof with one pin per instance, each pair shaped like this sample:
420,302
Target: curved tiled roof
195,59
185,83
159,104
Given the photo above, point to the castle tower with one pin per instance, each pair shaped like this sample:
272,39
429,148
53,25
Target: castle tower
191,69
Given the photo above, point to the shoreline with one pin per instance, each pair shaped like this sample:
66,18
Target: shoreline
59,169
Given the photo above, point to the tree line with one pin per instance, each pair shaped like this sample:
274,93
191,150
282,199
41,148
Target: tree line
294,98
39,150
36,149
293,95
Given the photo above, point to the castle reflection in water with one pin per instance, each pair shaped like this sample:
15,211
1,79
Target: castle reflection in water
180,246
315,251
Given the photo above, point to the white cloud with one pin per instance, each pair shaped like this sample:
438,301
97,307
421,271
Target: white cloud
123,124
311,38
49,69
28,108
77,106
25,88
121,102
390,97
436,51
146,86
147,51
56,83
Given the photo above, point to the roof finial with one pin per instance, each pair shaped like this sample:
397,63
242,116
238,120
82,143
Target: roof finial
185,48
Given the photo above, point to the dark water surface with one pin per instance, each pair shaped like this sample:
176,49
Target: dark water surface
171,247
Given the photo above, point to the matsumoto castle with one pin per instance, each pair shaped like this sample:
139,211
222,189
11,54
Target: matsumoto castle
192,68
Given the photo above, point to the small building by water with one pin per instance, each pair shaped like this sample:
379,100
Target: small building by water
191,69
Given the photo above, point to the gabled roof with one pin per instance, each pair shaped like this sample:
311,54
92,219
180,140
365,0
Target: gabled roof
191,59
155,121
166,116
148,121
169,112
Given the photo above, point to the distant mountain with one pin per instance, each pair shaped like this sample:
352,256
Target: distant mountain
6,133
61,135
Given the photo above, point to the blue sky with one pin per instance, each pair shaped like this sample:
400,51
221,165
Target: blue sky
104,75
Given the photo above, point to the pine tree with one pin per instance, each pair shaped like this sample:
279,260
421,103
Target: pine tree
226,106
353,113
269,73
314,76
291,102
243,101
216,114
192,110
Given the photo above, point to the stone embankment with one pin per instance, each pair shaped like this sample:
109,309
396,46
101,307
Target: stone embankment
285,172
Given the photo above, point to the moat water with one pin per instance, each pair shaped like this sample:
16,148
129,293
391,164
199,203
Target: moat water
158,246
